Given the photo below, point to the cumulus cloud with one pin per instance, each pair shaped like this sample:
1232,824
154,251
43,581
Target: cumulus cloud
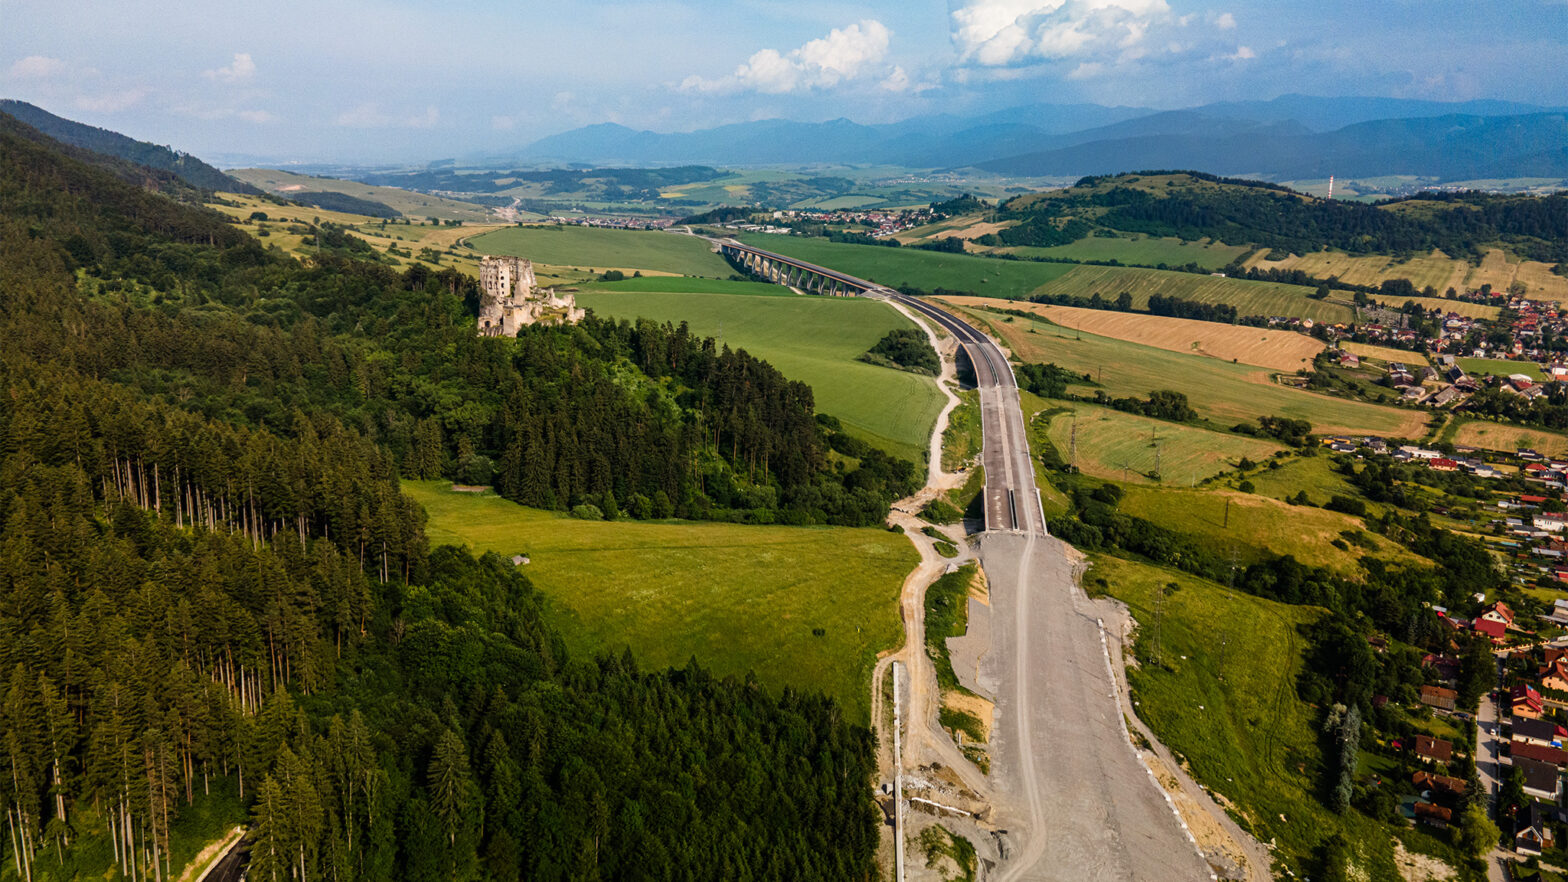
240,70
997,33
36,67
845,54
1225,21
371,116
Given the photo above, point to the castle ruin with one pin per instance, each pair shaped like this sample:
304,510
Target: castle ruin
510,297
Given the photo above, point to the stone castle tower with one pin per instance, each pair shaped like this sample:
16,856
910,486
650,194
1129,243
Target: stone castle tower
510,298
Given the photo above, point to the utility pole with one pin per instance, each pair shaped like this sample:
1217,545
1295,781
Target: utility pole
1072,444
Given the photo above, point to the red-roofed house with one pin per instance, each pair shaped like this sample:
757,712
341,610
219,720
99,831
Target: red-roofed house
1499,612
1527,703
1494,630
1443,465
1439,697
1431,749
1555,675
1541,754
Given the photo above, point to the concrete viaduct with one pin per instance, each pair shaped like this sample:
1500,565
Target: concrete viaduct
784,270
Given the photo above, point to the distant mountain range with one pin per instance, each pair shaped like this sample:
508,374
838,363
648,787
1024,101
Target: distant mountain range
1288,138
186,167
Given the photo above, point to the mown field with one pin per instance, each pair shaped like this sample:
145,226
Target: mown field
1260,527
1459,307
927,270
812,339
1507,439
1480,367
419,206
1249,298
1142,250
601,249
1224,392
1436,270
1263,347
738,598
1384,353
1122,446
688,285
382,236
1224,700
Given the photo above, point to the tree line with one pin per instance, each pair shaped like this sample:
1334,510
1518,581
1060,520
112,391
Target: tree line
214,600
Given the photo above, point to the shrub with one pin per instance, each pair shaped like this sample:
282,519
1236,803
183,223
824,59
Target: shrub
587,512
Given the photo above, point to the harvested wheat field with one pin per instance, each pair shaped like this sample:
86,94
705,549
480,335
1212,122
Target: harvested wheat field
1499,271
1261,347
1384,353
1436,269
1458,307
1506,439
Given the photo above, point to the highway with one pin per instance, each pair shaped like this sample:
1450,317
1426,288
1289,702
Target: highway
1073,797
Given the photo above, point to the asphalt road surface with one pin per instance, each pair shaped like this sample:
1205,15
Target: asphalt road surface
1077,801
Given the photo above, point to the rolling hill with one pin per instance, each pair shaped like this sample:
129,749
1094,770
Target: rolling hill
185,166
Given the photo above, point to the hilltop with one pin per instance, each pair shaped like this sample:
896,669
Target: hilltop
186,167
1194,205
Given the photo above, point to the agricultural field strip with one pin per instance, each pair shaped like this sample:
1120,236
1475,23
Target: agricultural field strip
601,249
1276,349
1227,393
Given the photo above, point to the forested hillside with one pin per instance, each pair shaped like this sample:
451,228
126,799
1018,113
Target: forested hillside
186,167
1193,206
215,602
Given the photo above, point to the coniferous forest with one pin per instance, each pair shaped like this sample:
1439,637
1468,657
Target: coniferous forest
211,587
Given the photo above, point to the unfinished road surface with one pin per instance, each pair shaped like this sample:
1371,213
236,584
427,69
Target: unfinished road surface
1075,799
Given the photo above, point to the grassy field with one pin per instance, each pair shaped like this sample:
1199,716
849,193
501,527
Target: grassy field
1505,438
1500,367
1313,475
1259,527
739,598
927,270
812,339
1384,353
1436,270
1224,392
1249,298
406,202
601,249
1224,700
1121,446
1142,250
688,285
1459,307
1276,349
382,236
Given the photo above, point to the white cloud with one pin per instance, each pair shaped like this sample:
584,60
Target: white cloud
255,116
240,70
1242,53
1225,21
994,33
111,102
371,116
844,54
36,67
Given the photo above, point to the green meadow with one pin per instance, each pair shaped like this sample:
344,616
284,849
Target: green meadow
927,270
737,598
812,339
601,249
1223,699
1141,250
1249,298
1223,392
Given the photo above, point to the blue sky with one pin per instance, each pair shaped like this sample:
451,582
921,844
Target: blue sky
355,80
